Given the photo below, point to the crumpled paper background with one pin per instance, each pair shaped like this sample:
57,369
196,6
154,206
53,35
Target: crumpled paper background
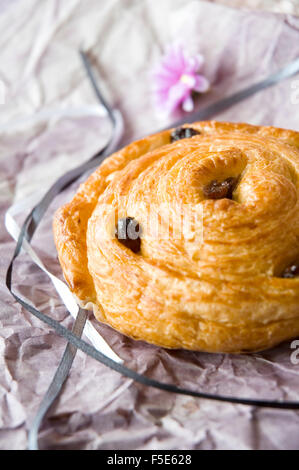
43,77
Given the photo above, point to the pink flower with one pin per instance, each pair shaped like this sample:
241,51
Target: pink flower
175,78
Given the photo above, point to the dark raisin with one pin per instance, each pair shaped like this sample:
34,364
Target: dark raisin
291,271
220,190
183,133
127,231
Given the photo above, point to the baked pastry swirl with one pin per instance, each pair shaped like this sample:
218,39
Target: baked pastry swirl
229,282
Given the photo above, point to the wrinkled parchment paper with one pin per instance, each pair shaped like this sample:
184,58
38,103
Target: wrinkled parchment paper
43,78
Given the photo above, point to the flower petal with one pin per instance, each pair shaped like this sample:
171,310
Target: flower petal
176,96
188,104
202,84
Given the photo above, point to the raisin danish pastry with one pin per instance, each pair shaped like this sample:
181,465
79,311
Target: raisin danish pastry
223,279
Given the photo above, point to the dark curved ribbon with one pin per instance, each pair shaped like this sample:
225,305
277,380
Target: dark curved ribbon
73,337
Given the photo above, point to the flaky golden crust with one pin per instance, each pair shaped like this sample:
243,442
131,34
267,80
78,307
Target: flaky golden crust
217,287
